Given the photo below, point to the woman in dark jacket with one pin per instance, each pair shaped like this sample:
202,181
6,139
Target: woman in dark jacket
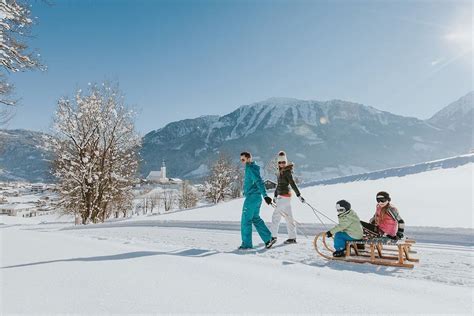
283,199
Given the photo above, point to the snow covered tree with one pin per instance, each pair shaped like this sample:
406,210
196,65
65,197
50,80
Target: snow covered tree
149,199
169,199
237,183
219,183
96,150
187,196
6,102
143,205
271,169
154,201
15,23
122,204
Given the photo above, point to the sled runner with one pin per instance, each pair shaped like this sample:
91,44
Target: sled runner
378,251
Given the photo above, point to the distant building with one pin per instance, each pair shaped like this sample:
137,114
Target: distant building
199,187
38,187
270,185
160,177
20,209
11,193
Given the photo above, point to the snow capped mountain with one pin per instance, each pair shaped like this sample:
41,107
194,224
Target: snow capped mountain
460,111
24,156
182,128
458,121
291,114
325,139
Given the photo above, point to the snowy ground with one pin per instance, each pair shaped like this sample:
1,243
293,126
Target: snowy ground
147,268
187,261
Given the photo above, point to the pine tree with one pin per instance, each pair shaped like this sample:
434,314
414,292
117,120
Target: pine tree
96,151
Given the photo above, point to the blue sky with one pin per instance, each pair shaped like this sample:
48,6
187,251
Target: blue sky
183,59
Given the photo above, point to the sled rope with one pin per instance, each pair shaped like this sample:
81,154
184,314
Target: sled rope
315,211
293,221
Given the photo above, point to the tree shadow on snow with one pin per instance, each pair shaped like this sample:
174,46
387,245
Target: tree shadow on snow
198,253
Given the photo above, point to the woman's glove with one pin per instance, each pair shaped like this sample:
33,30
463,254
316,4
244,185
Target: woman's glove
268,200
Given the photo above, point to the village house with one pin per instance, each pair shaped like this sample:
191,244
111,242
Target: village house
38,187
270,185
18,209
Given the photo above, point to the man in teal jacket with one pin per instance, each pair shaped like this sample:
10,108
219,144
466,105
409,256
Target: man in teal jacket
254,189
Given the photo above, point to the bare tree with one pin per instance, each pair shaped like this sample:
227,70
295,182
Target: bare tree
144,205
154,201
221,177
96,153
15,24
6,102
187,196
169,199
121,205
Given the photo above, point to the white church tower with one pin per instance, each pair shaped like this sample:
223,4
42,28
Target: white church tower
163,172
159,177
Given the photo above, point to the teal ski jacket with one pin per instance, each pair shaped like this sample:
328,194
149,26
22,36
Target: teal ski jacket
253,183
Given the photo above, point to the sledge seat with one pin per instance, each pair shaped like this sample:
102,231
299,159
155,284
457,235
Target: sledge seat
378,254
377,240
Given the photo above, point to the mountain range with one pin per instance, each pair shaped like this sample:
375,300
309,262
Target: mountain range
324,139
24,156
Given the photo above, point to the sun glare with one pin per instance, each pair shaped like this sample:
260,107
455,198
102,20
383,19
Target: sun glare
461,39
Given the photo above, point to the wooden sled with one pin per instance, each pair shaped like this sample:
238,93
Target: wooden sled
384,244
382,251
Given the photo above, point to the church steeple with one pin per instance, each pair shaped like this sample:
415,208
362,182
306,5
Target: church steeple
163,170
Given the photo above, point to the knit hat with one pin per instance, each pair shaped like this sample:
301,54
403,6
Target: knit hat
342,206
282,157
384,195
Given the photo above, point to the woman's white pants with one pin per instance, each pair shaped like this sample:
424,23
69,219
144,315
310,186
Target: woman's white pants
283,208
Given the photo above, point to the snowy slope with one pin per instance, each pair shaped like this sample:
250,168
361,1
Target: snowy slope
441,197
186,262
447,163
150,270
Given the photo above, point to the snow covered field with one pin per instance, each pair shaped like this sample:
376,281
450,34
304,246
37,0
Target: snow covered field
159,269
187,261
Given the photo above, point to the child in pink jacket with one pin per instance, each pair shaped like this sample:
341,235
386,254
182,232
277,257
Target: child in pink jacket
386,221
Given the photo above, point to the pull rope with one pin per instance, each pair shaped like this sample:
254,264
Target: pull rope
293,221
315,211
